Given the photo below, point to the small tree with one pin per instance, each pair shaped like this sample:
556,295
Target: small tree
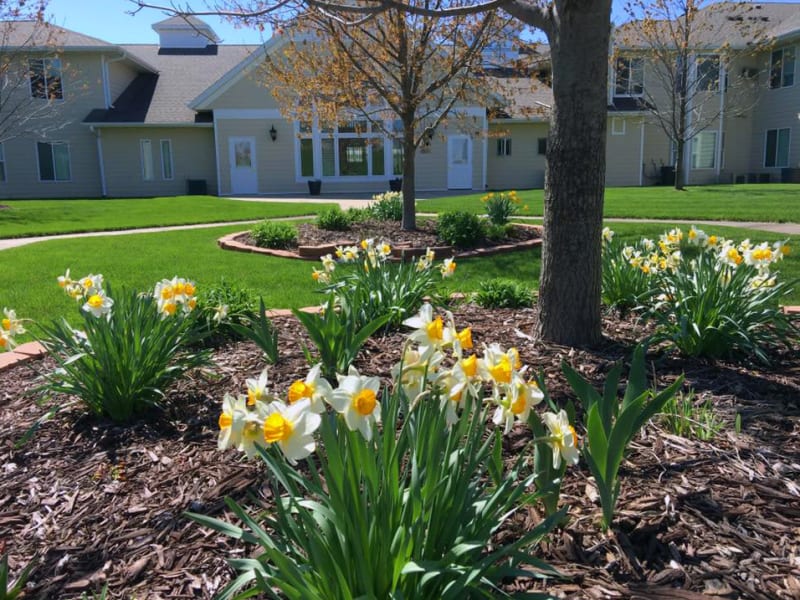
404,74
28,51
687,48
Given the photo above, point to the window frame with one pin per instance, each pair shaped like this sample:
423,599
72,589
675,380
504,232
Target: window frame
45,62
776,164
504,146
146,159
614,121
52,146
541,146
703,59
693,154
781,66
628,93
165,163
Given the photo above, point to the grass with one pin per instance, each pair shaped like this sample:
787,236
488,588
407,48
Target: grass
47,217
138,261
757,202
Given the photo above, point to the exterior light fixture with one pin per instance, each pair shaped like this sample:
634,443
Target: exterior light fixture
273,133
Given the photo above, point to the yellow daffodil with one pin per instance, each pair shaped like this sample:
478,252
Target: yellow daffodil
356,399
291,427
563,439
314,388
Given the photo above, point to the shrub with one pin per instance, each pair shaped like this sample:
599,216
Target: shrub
132,347
348,523
274,234
460,229
503,293
501,206
358,215
333,219
387,206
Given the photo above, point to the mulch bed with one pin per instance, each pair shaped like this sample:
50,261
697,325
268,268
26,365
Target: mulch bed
99,503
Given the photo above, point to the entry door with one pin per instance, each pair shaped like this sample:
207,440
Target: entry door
459,162
244,175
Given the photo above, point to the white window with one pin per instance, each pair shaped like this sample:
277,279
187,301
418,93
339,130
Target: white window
53,159
44,75
504,147
2,163
776,149
146,155
704,150
166,159
629,77
707,72
781,72
617,126
352,149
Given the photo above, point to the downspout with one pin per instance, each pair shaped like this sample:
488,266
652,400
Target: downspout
641,154
718,160
98,136
687,155
485,150
216,156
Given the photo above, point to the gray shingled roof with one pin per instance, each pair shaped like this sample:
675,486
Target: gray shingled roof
737,24
32,34
525,98
182,75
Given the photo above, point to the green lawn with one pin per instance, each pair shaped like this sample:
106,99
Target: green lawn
138,261
45,217
757,202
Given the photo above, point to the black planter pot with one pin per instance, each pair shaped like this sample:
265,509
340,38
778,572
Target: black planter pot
314,187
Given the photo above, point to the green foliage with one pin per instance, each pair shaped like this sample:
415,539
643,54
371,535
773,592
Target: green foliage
122,363
274,234
688,417
503,293
358,215
387,206
611,425
497,233
411,513
337,335
460,229
501,206
623,287
222,305
13,589
333,219
712,312
259,329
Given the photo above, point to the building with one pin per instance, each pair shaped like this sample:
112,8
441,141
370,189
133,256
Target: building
192,115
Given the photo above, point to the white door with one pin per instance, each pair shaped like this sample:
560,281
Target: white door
459,162
244,175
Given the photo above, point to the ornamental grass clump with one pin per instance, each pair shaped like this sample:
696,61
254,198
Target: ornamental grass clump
501,206
402,492
131,348
387,206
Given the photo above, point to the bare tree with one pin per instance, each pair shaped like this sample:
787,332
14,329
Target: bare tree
686,51
578,32
30,70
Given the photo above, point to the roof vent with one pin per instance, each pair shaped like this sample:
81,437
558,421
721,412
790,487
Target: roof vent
185,33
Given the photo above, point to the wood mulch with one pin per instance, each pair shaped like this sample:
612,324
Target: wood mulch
99,503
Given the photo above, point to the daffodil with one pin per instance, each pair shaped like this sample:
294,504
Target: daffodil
65,281
220,312
431,333
258,389
313,388
563,439
252,427
291,427
414,371
6,341
448,267
520,397
10,324
231,421
328,263
356,399
320,276
91,284
608,235
98,303
498,365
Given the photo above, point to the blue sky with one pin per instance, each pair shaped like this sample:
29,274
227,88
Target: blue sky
107,20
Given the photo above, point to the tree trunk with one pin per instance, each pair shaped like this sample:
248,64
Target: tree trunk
409,175
569,290
680,149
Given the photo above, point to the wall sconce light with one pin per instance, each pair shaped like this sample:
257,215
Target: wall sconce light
273,133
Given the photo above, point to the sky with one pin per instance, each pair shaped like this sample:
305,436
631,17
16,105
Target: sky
107,20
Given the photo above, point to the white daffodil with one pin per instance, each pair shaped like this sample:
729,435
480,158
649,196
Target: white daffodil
520,397
252,434
498,365
10,324
454,386
356,399
564,440
91,285
98,303
65,281
328,263
231,421
760,257
608,235
431,333
414,372
448,267
292,428
729,255
314,388
320,276
6,341
220,312
697,237
257,389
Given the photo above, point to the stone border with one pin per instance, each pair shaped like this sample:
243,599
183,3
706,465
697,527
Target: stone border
229,242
